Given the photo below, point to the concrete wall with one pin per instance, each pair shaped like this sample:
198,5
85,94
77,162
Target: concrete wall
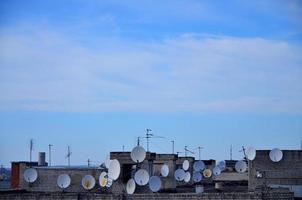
47,178
277,194
288,171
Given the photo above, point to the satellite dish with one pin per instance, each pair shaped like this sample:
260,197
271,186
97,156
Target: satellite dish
250,153
107,161
240,166
154,184
109,182
221,165
179,174
216,171
30,175
185,165
164,171
141,177
114,169
197,177
63,181
275,155
88,182
198,166
187,177
199,189
207,173
138,154
130,187
103,179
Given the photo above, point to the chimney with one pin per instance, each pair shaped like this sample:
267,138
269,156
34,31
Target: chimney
41,161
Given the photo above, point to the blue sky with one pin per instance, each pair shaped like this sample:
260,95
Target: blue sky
95,74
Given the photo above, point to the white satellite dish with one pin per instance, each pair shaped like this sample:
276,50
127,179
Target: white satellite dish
185,165
198,166
207,173
179,174
154,184
103,179
241,166
138,154
107,161
197,177
30,175
63,181
141,177
88,182
275,155
250,153
221,165
130,187
114,169
164,171
216,171
187,177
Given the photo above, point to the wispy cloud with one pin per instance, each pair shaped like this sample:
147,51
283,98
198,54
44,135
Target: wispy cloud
47,71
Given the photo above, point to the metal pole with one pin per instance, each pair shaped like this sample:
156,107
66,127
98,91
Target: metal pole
231,153
172,146
68,155
31,144
49,153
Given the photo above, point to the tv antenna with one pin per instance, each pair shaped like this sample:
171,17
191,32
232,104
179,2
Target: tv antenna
68,155
31,147
49,153
88,162
150,135
187,150
244,154
231,152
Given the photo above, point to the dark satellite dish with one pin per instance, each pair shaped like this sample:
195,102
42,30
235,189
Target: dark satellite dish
179,174
216,171
197,177
141,177
240,166
154,184
198,166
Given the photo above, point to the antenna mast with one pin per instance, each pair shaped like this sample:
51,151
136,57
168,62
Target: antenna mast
148,136
49,153
199,152
172,146
231,152
68,155
31,146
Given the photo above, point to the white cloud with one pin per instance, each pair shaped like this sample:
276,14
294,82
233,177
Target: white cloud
46,71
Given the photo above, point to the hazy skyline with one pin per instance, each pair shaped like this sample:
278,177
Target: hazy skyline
94,75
